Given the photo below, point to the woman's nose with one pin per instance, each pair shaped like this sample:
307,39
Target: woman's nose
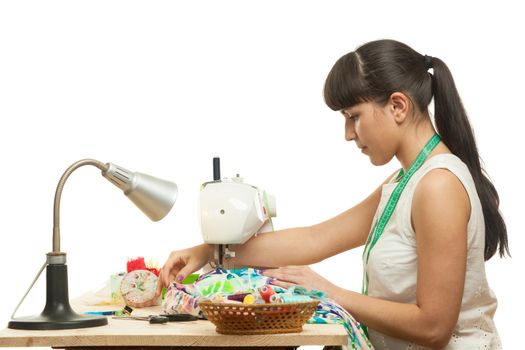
349,130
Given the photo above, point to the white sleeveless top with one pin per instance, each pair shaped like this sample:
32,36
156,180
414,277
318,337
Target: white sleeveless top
392,265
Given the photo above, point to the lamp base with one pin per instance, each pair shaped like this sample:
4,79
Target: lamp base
57,313
64,321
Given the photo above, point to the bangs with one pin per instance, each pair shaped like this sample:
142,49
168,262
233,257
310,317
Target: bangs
345,85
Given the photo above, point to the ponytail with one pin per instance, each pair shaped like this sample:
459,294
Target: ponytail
454,128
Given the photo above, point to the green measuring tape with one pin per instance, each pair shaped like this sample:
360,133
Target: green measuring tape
379,227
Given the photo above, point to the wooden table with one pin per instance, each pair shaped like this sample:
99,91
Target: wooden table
201,334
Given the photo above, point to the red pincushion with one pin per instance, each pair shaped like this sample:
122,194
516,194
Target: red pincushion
139,264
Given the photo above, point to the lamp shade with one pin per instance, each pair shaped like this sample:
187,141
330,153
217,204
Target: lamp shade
152,195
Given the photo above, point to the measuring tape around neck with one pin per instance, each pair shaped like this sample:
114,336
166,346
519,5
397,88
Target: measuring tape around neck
380,225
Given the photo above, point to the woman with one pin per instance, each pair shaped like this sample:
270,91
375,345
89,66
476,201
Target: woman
427,230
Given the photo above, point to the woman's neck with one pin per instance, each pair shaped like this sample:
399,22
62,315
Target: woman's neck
414,140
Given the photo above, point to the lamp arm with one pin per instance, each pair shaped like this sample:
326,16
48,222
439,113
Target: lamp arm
58,195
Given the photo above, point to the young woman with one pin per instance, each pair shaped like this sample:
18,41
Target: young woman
427,230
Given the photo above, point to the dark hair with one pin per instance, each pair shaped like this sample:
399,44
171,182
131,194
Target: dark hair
379,68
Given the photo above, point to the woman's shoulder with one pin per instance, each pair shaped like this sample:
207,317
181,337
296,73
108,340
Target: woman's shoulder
443,169
446,160
439,180
451,165
445,178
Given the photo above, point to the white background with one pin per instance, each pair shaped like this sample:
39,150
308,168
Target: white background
162,87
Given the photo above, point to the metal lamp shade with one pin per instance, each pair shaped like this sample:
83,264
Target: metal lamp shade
152,195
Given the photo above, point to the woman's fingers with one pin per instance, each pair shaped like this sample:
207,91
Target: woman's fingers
168,272
159,284
181,263
282,284
287,273
273,273
283,275
298,275
293,270
172,266
187,269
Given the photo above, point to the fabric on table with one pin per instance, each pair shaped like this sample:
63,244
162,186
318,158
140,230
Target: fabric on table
218,284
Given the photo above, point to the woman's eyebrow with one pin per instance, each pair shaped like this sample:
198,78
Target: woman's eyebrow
346,112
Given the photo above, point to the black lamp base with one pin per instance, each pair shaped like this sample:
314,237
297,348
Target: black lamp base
47,322
57,313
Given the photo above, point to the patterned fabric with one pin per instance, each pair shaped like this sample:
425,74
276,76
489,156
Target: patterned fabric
219,284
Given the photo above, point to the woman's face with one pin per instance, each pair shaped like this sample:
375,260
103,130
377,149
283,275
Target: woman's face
372,128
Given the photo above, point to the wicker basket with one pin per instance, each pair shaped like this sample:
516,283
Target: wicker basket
232,318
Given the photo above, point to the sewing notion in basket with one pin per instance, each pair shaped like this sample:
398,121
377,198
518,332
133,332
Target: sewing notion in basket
230,318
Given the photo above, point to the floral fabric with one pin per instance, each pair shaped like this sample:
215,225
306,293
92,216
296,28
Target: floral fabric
219,284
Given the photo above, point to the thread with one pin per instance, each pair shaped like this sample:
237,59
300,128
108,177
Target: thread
266,292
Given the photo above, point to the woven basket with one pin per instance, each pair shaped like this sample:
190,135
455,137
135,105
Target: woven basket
232,318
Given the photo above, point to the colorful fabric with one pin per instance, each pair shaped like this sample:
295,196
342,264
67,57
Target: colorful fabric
329,311
222,284
214,285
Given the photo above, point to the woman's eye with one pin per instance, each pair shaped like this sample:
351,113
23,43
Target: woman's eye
352,117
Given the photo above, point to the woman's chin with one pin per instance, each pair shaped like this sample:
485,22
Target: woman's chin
379,161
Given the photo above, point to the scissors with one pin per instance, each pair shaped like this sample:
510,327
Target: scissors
159,319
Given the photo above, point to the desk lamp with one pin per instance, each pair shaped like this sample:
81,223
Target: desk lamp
153,196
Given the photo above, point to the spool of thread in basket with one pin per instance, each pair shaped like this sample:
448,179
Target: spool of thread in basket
245,298
266,292
289,298
237,297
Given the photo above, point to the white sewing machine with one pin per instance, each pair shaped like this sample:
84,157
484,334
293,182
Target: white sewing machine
231,212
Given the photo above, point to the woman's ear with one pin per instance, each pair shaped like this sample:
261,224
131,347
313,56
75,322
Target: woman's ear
399,105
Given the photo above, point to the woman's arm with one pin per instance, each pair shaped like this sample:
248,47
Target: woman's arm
308,245
292,246
440,214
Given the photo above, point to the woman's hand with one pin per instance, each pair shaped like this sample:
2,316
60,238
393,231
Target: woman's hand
183,262
300,275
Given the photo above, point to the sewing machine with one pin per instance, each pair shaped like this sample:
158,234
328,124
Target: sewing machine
231,212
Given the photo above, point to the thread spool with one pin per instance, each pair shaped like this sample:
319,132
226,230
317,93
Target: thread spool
237,297
248,299
294,298
266,292
275,299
